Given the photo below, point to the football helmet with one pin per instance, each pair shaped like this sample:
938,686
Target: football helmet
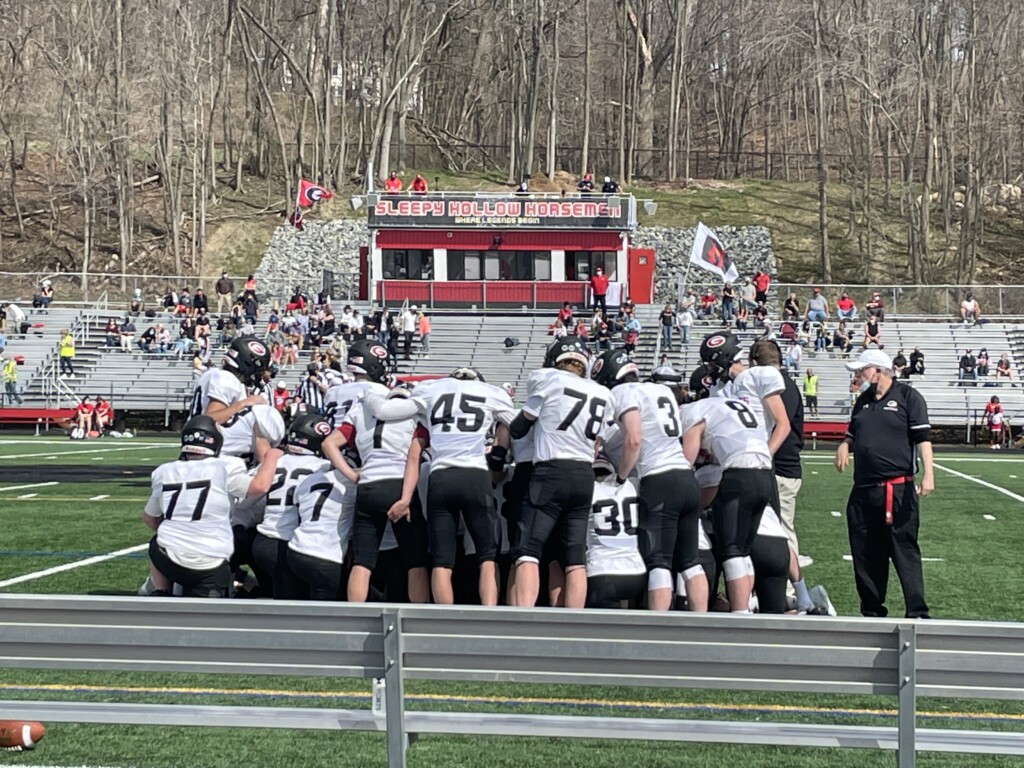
720,350
366,358
612,366
567,348
306,434
247,357
467,374
603,466
201,437
701,381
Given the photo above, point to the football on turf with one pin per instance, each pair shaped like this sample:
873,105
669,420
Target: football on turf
16,735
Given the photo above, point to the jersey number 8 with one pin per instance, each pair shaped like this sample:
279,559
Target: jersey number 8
593,425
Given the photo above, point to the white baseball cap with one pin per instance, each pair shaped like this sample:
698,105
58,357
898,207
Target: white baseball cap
871,358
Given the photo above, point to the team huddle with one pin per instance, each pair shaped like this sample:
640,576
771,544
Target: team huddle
601,490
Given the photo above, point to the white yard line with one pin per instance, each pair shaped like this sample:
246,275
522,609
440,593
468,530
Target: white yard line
30,485
979,481
28,495
135,447
101,497
72,566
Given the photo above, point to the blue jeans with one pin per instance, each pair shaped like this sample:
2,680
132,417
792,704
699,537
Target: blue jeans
816,316
846,315
666,336
684,331
726,309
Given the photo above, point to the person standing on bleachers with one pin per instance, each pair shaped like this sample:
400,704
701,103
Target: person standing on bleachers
225,289
67,354
10,374
811,392
408,330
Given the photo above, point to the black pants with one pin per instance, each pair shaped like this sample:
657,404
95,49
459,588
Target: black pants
271,556
669,512
737,508
407,350
771,572
559,497
873,543
211,583
373,501
600,302
321,577
610,590
456,491
66,366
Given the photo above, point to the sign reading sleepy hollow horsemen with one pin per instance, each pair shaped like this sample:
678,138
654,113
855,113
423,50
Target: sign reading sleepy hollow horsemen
472,212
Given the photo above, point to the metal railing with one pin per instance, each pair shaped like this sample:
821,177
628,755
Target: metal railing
901,659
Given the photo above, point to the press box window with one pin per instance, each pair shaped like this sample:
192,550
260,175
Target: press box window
408,264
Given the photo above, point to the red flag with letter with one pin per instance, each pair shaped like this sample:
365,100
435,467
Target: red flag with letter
708,253
310,193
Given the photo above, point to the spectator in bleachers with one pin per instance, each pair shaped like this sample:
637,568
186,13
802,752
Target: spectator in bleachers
667,318
290,354
872,333
610,186
708,305
298,301
102,415
111,333
10,375
345,322
137,305
794,354
841,341
983,362
748,294
811,392
817,307
742,317
581,332
631,332
225,289
761,282
603,338
900,366
163,339
329,322
199,366
595,321
170,300
585,185
728,303
83,413
250,307
994,419
200,302
970,309
315,336
845,308
424,329
684,321
202,322
44,297
356,324
917,362
791,308
565,314
805,334
126,334
147,341
67,354
323,298
875,308
1004,369
16,322
599,288
249,286
557,329
821,338
408,330
237,313
968,368
184,305
183,344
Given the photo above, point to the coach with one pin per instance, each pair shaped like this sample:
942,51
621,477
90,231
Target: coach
888,430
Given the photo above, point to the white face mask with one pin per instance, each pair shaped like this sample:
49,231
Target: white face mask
865,386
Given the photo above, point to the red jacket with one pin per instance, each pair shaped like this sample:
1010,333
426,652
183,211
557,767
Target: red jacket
599,285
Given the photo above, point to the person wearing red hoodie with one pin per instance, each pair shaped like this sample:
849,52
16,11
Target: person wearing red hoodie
418,186
599,287
393,184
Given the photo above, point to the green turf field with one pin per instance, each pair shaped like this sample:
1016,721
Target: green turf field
69,523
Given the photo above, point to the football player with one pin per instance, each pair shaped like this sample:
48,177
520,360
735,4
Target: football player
221,393
366,364
616,573
317,548
770,554
566,410
384,449
760,387
303,457
456,414
648,417
730,431
190,507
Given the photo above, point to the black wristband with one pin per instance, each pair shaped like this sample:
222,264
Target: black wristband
496,458
619,480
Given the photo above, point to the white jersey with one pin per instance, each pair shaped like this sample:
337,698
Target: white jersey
242,429
325,521
611,537
458,415
732,432
383,445
195,499
523,449
570,414
751,387
344,396
280,515
660,447
216,384
770,524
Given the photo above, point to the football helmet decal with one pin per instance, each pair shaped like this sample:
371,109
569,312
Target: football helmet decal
613,366
201,437
366,358
248,357
306,434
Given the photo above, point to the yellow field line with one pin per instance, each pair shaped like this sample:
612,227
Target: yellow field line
779,708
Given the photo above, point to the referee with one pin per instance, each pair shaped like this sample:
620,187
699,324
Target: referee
888,432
